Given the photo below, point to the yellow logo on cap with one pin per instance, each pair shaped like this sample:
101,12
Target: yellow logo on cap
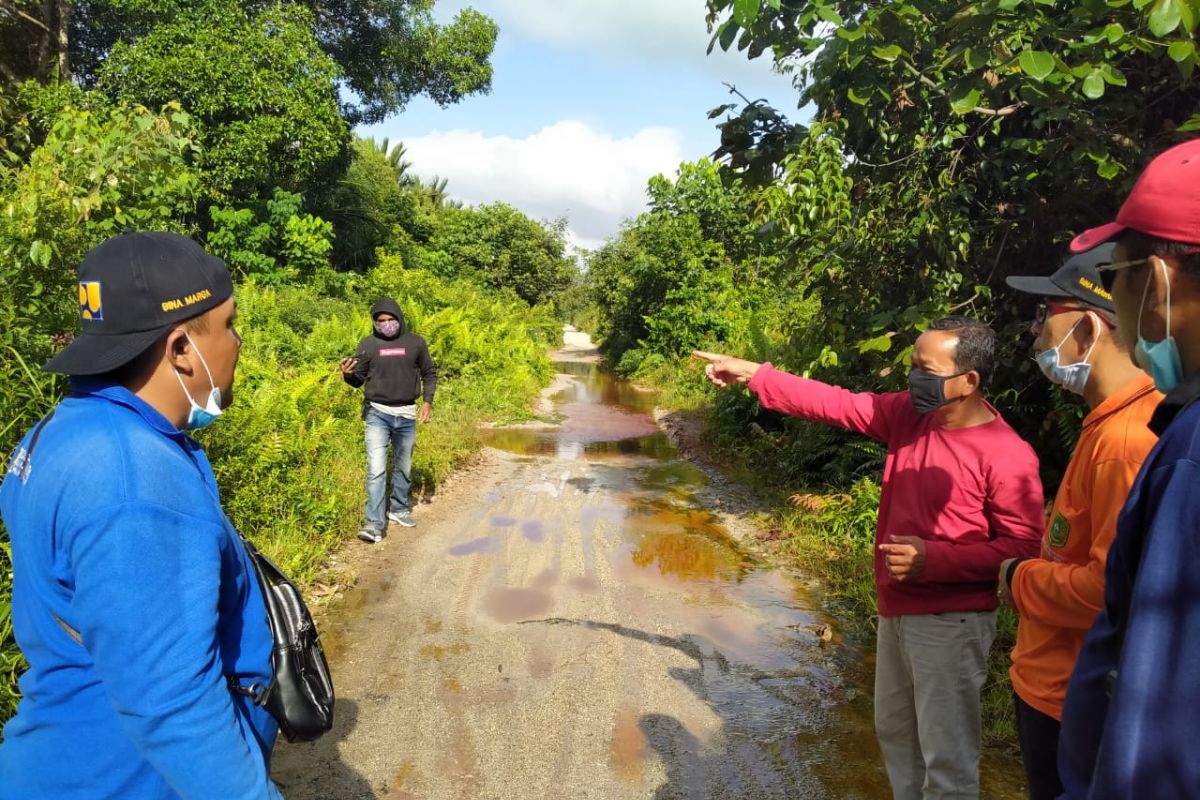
90,306
1091,287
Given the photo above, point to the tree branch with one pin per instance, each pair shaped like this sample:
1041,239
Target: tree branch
11,8
987,112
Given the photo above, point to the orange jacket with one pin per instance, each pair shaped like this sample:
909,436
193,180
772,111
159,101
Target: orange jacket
1059,594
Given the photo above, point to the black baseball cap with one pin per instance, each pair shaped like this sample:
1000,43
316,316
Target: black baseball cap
1077,279
132,289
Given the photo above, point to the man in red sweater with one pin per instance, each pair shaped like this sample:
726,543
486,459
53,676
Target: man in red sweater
960,495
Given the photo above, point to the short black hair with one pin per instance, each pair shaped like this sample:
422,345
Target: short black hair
976,348
1143,245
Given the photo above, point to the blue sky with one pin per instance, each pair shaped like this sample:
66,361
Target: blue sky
590,98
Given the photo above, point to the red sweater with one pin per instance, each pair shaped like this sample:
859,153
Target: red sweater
973,494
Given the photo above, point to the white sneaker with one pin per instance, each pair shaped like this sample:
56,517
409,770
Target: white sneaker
402,518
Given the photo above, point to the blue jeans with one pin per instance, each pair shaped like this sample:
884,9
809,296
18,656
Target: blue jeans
380,429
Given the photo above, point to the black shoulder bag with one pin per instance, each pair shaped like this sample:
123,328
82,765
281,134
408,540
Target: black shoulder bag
300,694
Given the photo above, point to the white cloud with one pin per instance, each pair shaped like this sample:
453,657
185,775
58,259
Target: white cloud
565,169
668,33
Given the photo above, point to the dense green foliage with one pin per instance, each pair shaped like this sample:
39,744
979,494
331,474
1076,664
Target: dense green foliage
263,94
386,51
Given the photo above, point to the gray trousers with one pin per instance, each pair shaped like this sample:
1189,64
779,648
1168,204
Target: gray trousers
929,670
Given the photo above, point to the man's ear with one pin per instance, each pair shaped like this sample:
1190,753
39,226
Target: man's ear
1094,331
178,350
1163,276
973,381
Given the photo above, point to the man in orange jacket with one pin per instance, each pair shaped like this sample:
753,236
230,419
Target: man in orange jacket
1058,595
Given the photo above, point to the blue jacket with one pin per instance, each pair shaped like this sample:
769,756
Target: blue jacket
118,536
1131,721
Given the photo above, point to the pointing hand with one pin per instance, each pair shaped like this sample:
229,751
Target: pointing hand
726,370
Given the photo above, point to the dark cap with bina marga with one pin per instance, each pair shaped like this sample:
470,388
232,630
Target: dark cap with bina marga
132,289
1077,279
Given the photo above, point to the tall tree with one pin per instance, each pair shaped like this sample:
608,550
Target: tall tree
387,51
258,84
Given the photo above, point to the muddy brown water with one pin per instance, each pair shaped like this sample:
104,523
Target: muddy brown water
638,650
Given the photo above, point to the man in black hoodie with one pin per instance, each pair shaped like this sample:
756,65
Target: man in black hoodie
396,367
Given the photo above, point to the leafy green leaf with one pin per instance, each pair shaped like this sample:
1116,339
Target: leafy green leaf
1093,85
728,33
965,103
1191,126
889,53
830,15
1108,169
1037,64
880,344
852,34
745,12
1181,50
1166,16
1113,76
856,98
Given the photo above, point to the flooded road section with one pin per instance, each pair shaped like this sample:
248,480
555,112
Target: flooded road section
580,624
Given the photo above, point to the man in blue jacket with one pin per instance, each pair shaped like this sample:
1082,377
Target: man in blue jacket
1130,721
133,599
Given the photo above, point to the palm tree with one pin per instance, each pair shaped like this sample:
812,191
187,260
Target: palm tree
395,158
434,192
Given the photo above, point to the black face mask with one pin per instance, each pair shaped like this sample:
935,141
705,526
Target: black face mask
928,391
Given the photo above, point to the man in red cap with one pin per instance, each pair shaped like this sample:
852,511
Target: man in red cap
1130,720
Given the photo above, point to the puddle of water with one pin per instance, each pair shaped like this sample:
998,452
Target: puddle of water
484,544
684,543
627,750
601,417
438,652
534,531
507,605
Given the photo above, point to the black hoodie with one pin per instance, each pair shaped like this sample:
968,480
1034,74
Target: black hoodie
396,370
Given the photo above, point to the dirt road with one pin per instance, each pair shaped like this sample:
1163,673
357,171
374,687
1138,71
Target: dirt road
572,620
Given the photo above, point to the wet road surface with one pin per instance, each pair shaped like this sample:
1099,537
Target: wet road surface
580,625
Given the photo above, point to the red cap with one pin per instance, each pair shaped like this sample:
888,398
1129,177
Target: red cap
1164,203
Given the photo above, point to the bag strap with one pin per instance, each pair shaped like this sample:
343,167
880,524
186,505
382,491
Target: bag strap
37,432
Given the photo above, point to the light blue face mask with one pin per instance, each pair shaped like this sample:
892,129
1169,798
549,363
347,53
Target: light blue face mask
201,417
1072,377
1160,359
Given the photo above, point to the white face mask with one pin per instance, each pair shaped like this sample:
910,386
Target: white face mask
1072,377
201,417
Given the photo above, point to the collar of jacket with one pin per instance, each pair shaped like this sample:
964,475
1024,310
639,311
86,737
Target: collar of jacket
115,393
1175,402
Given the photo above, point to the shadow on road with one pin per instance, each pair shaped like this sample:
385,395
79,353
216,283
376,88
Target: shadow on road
782,734
315,770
